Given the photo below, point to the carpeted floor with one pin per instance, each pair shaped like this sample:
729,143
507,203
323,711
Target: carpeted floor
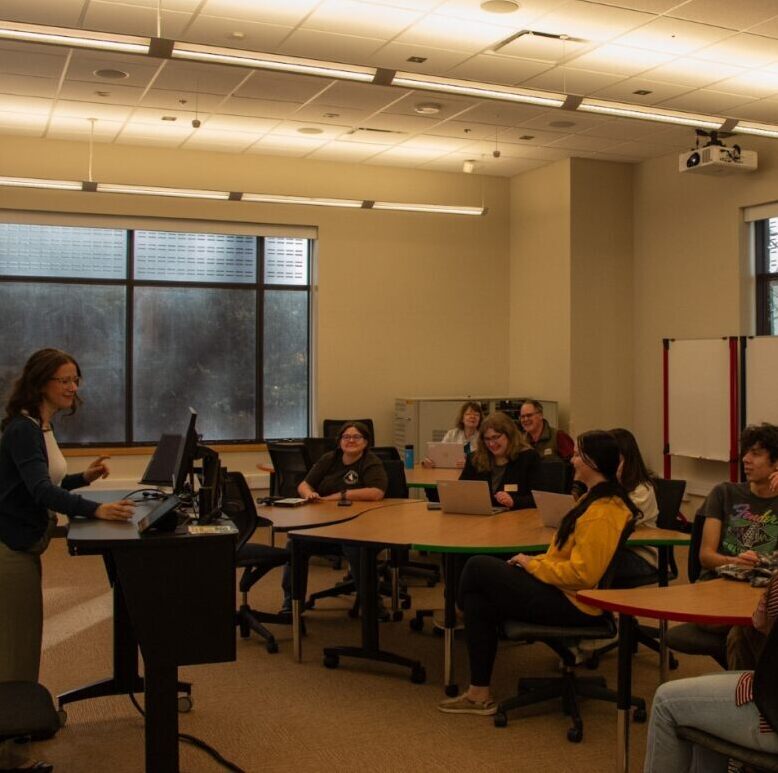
268,713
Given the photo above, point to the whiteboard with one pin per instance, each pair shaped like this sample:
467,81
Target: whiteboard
698,398
761,372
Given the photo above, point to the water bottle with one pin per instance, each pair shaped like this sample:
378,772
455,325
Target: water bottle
409,456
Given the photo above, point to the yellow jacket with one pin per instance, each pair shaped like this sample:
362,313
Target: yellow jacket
581,562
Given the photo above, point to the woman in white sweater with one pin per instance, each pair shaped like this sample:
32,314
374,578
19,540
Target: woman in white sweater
465,432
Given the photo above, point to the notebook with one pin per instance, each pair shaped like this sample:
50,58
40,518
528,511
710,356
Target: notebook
470,497
552,507
446,454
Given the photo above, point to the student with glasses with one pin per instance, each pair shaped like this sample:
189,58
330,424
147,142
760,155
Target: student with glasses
548,441
504,460
34,487
351,472
465,432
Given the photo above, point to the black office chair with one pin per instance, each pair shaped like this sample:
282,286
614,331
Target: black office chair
766,699
553,475
691,638
387,454
316,447
331,427
568,686
290,466
27,712
256,560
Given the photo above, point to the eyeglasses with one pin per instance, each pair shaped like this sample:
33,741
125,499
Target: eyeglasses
67,380
527,415
354,438
493,438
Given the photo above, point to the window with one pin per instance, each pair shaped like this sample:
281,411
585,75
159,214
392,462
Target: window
766,248
162,320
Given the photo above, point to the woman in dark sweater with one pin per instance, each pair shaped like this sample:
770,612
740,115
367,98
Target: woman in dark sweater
34,487
505,461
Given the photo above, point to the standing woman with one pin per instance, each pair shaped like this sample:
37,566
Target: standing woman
34,487
541,589
504,460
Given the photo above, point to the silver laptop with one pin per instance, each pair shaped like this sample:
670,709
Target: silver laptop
446,454
470,497
552,507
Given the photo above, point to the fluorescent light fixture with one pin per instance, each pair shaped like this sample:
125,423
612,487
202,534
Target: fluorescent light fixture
149,190
482,90
197,53
626,110
760,129
32,182
268,198
61,36
441,209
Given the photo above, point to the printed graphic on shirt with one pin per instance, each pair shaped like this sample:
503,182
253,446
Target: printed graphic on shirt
747,530
351,478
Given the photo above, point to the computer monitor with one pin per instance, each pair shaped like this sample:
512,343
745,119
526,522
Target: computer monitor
159,471
187,453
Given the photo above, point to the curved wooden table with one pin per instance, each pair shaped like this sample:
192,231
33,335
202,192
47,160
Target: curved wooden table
411,525
715,602
428,477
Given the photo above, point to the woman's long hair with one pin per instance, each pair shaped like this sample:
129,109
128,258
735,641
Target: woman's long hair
27,391
464,408
482,458
599,450
634,470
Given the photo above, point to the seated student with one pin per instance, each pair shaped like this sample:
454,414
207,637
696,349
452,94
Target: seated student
350,472
465,432
720,704
741,519
505,461
541,589
548,441
636,562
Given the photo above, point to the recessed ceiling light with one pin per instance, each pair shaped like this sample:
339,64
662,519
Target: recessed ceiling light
643,92
417,59
102,93
237,35
169,118
330,115
310,130
427,108
500,6
562,124
527,137
112,75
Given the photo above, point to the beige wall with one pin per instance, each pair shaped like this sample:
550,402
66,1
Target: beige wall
406,302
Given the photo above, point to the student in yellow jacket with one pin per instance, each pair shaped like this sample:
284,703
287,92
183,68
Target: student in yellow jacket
541,589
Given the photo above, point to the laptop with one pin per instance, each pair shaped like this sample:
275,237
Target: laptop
469,497
552,507
446,454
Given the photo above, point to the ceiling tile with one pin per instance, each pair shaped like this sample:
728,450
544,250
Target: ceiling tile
394,56
349,152
360,18
329,46
282,87
285,12
182,101
722,13
284,146
42,61
432,142
579,121
591,21
362,96
741,51
229,142
769,29
167,135
527,136
673,36
292,129
86,110
543,49
527,12
472,131
755,83
253,36
584,142
449,107
649,6
624,91
29,85
622,129
374,136
133,19
331,114
703,101
399,123
693,72
765,110
493,68
202,79
236,123
261,108
451,33
503,114
639,150
404,155
64,127
23,125
60,13
84,64
621,60
569,81
24,104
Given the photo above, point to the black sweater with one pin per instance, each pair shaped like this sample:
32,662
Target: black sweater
26,490
520,472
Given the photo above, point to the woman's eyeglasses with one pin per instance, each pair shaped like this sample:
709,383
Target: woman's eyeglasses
67,380
354,438
493,438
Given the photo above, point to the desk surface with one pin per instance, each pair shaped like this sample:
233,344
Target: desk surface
411,524
427,477
322,513
723,602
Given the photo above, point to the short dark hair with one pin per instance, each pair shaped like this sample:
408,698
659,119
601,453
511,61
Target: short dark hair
27,391
359,426
763,435
536,404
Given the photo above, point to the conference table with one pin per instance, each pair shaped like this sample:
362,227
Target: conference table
427,477
410,525
715,602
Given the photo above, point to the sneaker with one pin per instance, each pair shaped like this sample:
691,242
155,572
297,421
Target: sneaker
463,705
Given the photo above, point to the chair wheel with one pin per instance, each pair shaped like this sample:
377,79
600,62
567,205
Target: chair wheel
397,615
418,675
416,623
405,603
272,646
639,714
575,734
62,715
452,690
185,704
500,719
331,661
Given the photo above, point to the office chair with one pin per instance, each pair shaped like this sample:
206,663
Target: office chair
316,447
27,713
669,495
691,638
766,699
290,466
553,475
568,686
331,427
387,454
256,560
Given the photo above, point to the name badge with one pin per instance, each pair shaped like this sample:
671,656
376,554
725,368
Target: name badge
510,488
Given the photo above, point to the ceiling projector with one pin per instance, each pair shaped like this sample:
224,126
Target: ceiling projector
716,158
